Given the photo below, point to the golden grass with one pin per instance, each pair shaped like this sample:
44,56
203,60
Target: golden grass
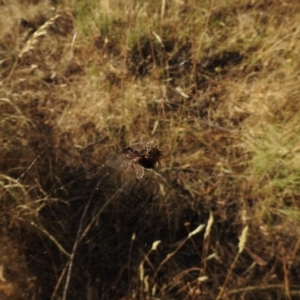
215,84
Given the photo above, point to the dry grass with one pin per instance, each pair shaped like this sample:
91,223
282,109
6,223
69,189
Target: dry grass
215,84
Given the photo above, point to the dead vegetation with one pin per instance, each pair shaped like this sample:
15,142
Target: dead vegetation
215,84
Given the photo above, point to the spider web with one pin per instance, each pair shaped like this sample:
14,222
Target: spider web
83,195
